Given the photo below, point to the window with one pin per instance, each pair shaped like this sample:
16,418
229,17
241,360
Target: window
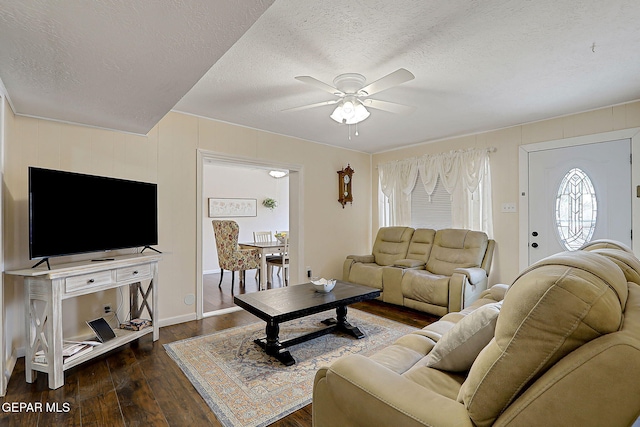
434,212
576,209
464,174
384,209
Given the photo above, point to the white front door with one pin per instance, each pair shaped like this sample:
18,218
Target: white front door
578,194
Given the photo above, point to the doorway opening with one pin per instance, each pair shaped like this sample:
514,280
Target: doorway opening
225,177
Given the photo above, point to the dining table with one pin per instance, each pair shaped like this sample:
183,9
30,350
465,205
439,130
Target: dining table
264,248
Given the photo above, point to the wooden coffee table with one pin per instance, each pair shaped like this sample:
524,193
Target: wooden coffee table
275,306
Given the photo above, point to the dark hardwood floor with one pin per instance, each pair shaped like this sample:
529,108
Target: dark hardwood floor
139,384
216,298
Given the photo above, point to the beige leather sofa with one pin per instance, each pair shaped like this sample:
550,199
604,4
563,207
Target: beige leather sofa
433,271
565,351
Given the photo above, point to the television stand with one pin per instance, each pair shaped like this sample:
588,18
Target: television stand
149,247
41,261
46,289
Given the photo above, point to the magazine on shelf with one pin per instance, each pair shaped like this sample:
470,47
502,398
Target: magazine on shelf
85,349
70,351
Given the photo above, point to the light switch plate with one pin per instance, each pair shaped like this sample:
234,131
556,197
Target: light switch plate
509,207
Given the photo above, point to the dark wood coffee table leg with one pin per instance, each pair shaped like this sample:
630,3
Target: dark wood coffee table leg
342,324
272,346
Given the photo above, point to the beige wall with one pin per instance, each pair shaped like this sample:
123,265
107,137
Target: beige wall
504,167
168,156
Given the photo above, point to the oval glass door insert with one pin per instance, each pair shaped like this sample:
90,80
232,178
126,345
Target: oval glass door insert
576,209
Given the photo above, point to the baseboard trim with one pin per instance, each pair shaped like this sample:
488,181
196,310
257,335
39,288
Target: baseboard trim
10,364
222,311
177,319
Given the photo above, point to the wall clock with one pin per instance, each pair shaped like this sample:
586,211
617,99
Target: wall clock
345,181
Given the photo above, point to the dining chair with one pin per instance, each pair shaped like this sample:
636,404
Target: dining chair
281,261
262,237
230,256
286,233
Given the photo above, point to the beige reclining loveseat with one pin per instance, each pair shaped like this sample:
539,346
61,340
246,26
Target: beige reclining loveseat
561,349
433,271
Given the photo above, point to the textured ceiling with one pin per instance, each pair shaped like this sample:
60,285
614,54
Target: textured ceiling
479,65
117,64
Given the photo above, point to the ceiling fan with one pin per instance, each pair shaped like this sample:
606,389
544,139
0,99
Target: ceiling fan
353,95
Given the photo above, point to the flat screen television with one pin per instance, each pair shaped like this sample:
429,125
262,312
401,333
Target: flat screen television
73,213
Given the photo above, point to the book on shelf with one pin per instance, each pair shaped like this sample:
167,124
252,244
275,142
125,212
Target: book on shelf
70,351
86,349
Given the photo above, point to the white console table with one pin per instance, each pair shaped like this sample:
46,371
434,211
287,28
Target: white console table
46,289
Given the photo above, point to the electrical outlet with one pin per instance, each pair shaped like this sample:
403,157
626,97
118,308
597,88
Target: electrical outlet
107,308
308,271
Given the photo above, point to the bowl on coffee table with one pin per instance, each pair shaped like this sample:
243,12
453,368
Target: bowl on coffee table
323,285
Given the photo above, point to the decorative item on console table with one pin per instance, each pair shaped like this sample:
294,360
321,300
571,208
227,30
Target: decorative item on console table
345,194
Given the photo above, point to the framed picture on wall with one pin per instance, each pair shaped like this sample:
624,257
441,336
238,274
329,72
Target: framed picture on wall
225,208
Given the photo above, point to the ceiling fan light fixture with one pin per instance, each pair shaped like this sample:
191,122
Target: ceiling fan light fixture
350,112
337,114
353,93
361,113
348,108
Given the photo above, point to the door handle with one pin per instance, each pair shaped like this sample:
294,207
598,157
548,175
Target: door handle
534,245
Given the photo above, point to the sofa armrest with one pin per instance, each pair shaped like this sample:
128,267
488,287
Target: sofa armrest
474,275
496,292
465,286
346,269
357,391
362,258
352,259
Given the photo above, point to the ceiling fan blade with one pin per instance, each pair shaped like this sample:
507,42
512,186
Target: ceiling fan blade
320,85
391,107
393,79
318,104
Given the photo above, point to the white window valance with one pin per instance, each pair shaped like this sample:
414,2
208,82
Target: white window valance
464,174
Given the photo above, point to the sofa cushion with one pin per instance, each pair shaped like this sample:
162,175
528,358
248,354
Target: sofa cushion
554,307
391,244
456,249
459,347
404,353
423,286
444,383
366,274
409,263
436,330
421,244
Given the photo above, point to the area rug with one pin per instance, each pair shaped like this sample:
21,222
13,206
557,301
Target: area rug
246,387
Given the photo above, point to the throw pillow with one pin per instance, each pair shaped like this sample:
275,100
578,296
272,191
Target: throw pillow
460,345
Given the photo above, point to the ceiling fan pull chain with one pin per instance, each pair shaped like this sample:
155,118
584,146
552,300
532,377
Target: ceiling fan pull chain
356,129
